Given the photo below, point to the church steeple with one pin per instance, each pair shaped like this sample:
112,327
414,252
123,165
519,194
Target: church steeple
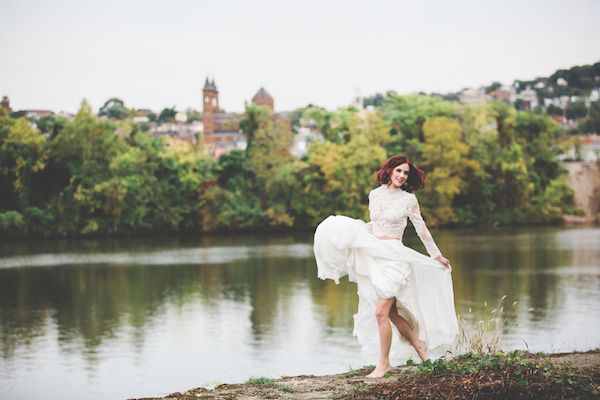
210,85
210,106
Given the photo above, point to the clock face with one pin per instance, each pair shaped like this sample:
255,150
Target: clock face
215,102
206,99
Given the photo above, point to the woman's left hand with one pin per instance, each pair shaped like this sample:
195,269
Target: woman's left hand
444,261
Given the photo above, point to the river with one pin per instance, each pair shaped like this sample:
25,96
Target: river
119,318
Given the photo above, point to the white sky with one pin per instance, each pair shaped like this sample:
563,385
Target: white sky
156,54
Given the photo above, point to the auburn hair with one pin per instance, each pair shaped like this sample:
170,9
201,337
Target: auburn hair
416,176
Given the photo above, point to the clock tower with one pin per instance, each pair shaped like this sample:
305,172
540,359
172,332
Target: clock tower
210,106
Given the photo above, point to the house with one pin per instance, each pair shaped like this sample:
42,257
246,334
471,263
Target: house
472,96
179,130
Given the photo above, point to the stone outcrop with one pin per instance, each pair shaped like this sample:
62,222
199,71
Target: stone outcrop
584,179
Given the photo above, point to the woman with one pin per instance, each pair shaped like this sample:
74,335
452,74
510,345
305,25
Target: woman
395,283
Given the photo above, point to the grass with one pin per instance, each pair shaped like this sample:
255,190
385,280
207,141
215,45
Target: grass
361,371
516,374
261,380
269,382
286,389
479,370
483,336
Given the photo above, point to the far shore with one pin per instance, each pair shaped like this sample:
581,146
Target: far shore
567,221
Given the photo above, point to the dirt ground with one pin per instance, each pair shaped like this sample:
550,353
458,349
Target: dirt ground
340,386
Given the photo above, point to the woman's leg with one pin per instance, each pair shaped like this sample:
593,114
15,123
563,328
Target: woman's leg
406,331
382,314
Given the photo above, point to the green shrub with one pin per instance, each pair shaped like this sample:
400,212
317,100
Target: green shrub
12,224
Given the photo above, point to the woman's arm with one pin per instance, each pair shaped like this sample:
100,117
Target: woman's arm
414,213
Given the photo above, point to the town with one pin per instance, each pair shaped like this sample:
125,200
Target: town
574,104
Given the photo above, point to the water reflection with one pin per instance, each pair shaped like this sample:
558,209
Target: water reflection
228,307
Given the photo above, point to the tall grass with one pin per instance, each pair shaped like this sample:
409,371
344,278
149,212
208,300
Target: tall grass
483,336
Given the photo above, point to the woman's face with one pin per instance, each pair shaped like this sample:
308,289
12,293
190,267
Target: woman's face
399,175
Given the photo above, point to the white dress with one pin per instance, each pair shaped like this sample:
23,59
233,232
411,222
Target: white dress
386,269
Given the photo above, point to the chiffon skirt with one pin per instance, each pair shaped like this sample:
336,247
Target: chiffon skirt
385,269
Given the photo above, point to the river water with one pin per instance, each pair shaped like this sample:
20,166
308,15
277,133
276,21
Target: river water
119,318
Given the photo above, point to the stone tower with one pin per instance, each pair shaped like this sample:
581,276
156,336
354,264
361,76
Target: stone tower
210,106
5,103
263,98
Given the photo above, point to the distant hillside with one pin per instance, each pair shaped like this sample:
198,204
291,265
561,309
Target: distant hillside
571,96
576,81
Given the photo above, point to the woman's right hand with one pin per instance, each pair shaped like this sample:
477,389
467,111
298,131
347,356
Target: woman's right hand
443,260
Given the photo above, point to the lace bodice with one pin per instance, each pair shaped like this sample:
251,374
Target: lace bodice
389,209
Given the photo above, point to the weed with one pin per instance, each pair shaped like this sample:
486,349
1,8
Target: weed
338,395
286,389
517,366
362,370
261,380
483,336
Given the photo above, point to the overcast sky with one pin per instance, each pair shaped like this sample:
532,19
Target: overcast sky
156,54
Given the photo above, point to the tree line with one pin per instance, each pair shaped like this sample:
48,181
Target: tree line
488,164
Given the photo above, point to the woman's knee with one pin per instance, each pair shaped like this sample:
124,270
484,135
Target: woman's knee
382,314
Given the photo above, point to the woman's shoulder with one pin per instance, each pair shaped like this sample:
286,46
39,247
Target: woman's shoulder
377,190
412,199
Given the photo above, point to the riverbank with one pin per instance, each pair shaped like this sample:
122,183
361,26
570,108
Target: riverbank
504,375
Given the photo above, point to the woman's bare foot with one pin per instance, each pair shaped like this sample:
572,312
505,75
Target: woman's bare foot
421,349
380,371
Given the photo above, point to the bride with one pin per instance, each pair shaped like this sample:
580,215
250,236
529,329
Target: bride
395,283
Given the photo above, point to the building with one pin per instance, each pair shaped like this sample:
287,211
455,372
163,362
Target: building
221,130
5,105
529,98
187,132
37,114
472,96
302,139
263,98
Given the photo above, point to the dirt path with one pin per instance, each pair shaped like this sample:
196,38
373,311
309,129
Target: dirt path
339,386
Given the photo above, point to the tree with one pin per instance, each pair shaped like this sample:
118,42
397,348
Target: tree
445,155
576,110
269,148
339,176
538,136
321,118
591,124
405,116
493,87
114,108
375,100
22,154
51,124
166,115
254,116
554,110
193,115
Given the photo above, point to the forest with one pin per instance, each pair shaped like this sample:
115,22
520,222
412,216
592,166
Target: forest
489,164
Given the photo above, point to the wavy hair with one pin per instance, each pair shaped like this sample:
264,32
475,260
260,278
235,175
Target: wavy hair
416,176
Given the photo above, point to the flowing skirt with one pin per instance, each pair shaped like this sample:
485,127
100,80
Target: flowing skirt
385,269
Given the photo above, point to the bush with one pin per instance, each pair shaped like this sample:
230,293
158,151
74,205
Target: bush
37,221
12,224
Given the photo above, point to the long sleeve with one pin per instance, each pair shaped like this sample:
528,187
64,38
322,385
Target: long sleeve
414,213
